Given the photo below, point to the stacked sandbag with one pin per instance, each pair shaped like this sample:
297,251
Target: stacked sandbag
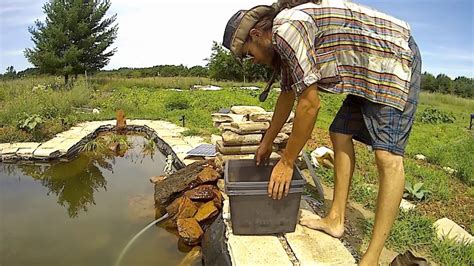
243,128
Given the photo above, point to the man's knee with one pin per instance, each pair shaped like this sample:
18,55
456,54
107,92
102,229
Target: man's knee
388,162
339,138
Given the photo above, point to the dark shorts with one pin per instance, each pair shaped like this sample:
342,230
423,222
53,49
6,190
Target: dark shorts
380,126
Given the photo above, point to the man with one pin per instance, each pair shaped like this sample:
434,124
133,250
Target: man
338,47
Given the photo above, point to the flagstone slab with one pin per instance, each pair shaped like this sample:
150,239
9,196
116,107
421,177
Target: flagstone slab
27,152
194,141
181,148
68,143
313,247
163,133
137,122
45,153
252,250
257,250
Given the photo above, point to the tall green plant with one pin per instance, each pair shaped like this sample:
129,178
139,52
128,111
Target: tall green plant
74,38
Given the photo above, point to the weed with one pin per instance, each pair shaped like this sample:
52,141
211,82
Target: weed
94,146
411,230
434,116
30,123
447,251
415,192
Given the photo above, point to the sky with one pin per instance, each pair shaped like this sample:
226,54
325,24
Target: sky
158,32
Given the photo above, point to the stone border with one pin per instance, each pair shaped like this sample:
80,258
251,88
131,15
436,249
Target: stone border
68,144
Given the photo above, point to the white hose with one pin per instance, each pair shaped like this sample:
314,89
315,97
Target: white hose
124,251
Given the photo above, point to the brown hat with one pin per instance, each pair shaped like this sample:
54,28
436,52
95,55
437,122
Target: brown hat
237,29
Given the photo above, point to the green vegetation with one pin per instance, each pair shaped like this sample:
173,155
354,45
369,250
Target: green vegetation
74,38
413,230
415,192
435,116
461,86
444,143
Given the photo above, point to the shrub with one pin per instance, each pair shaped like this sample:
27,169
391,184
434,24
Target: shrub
434,116
177,102
30,123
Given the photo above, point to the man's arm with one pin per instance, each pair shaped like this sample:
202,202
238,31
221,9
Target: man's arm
282,110
306,113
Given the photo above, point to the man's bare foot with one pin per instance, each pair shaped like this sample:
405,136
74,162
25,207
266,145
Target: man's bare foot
331,227
368,261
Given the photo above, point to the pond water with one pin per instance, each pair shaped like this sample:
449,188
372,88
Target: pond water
83,212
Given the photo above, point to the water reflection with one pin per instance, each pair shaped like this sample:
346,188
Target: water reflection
74,182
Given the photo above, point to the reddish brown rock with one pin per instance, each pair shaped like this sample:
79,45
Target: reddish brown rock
202,192
208,174
189,230
181,207
217,199
178,181
157,179
206,211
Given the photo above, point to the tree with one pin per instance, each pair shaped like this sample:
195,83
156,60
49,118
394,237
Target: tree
464,86
10,73
198,71
223,66
428,82
74,38
444,83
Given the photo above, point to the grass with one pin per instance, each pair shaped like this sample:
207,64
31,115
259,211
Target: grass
444,145
414,231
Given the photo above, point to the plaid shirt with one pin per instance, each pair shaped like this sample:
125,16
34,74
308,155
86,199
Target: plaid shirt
344,48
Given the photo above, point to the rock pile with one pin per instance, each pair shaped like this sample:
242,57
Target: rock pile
243,128
191,198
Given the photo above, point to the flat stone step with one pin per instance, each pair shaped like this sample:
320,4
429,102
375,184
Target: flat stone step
311,247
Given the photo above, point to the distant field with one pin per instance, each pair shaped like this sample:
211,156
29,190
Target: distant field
444,144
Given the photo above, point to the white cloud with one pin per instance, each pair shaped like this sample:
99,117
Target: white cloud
170,32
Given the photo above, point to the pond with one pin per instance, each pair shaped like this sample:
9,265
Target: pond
84,212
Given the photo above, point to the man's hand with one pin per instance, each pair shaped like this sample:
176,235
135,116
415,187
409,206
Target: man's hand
262,154
280,180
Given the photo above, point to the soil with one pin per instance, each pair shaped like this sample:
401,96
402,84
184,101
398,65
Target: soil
319,137
461,213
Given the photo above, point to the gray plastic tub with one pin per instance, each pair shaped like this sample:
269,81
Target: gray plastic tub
252,211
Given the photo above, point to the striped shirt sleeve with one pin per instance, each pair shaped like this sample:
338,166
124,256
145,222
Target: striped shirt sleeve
293,39
286,79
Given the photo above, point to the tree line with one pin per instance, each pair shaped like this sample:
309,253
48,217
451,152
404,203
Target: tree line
76,38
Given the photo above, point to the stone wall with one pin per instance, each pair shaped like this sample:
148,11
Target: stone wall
244,127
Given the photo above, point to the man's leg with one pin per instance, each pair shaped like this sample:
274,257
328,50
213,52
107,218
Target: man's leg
391,185
344,161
